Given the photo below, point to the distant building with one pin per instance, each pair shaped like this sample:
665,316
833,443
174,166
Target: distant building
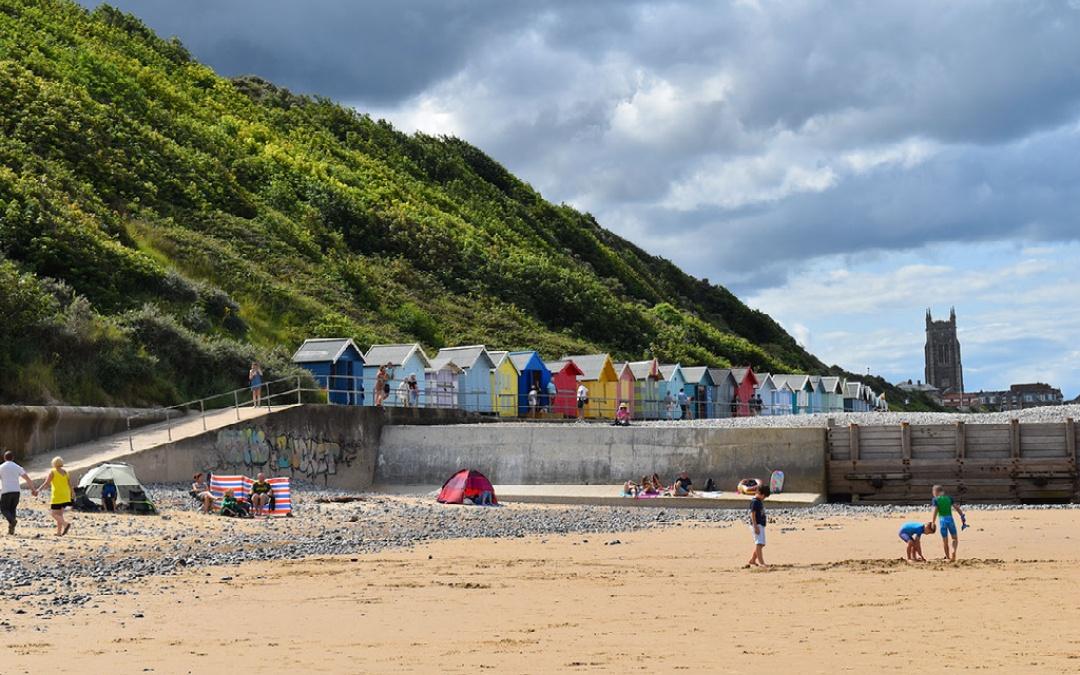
932,392
959,400
944,370
1020,396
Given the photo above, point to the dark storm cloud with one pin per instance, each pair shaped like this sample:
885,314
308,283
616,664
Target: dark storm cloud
737,138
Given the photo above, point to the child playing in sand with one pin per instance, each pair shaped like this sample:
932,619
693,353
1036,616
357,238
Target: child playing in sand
758,520
911,534
943,507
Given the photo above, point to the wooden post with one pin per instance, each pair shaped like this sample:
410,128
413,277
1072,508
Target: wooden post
905,440
1070,439
1014,438
961,440
853,441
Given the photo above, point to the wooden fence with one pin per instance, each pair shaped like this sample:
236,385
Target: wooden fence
978,462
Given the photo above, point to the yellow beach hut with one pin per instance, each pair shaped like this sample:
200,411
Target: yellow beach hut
602,382
504,385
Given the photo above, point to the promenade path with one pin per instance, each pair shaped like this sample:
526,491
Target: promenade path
79,458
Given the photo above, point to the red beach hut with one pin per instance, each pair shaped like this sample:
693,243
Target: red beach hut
747,381
565,375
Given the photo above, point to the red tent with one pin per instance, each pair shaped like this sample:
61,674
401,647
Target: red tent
465,483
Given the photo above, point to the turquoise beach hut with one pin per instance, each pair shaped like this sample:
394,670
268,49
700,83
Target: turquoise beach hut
672,381
701,390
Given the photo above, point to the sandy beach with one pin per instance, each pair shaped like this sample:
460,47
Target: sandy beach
836,598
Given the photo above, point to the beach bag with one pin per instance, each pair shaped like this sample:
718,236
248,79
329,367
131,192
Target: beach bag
710,486
776,482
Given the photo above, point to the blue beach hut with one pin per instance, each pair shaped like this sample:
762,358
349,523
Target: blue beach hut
531,371
673,382
401,361
474,382
338,366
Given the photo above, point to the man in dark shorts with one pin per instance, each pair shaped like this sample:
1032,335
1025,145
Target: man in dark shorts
11,474
683,485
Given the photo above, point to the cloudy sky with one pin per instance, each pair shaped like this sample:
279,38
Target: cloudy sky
841,165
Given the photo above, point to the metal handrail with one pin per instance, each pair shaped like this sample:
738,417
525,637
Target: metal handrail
202,405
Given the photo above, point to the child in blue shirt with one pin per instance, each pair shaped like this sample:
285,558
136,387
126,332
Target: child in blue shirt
911,534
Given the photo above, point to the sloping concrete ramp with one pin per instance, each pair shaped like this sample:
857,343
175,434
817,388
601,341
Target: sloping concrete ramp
79,458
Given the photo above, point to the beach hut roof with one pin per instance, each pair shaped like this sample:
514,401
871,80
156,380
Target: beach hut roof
696,374
592,365
643,370
497,358
668,370
465,357
569,365
319,350
721,374
833,385
521,360
765,379
395,355
853,390
445,363
795,382
741,374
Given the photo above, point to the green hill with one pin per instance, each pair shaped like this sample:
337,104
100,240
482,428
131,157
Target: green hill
161,225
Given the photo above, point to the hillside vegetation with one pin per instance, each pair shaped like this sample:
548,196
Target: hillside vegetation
161,225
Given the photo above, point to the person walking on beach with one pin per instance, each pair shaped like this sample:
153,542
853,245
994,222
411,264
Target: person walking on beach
758,520
60,482
11,476
255,376
942,509
582,401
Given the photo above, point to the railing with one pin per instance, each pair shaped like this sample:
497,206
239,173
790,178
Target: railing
447,394
257,399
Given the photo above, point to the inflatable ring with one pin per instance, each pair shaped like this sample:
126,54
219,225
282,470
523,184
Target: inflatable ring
748,486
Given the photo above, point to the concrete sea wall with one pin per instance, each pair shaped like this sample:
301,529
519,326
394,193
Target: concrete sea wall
588,454
31,430
335,446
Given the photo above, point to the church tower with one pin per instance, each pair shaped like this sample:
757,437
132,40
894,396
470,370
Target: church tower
943,367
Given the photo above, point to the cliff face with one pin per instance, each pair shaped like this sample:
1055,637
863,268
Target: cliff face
161,225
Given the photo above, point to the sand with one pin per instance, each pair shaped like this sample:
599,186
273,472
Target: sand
837,599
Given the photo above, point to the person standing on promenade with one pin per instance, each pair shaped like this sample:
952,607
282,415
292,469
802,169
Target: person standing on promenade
582,401
11,475
382,386
60,482
255,378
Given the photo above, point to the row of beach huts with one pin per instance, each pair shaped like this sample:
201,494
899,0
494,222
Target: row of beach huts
523,384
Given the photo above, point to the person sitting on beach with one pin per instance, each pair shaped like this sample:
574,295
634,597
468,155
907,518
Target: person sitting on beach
262,495
201,493
683,486
647,488
231,507
630,489
911,534
657,484
622,416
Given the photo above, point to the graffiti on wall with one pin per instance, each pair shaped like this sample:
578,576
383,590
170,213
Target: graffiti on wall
256,449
